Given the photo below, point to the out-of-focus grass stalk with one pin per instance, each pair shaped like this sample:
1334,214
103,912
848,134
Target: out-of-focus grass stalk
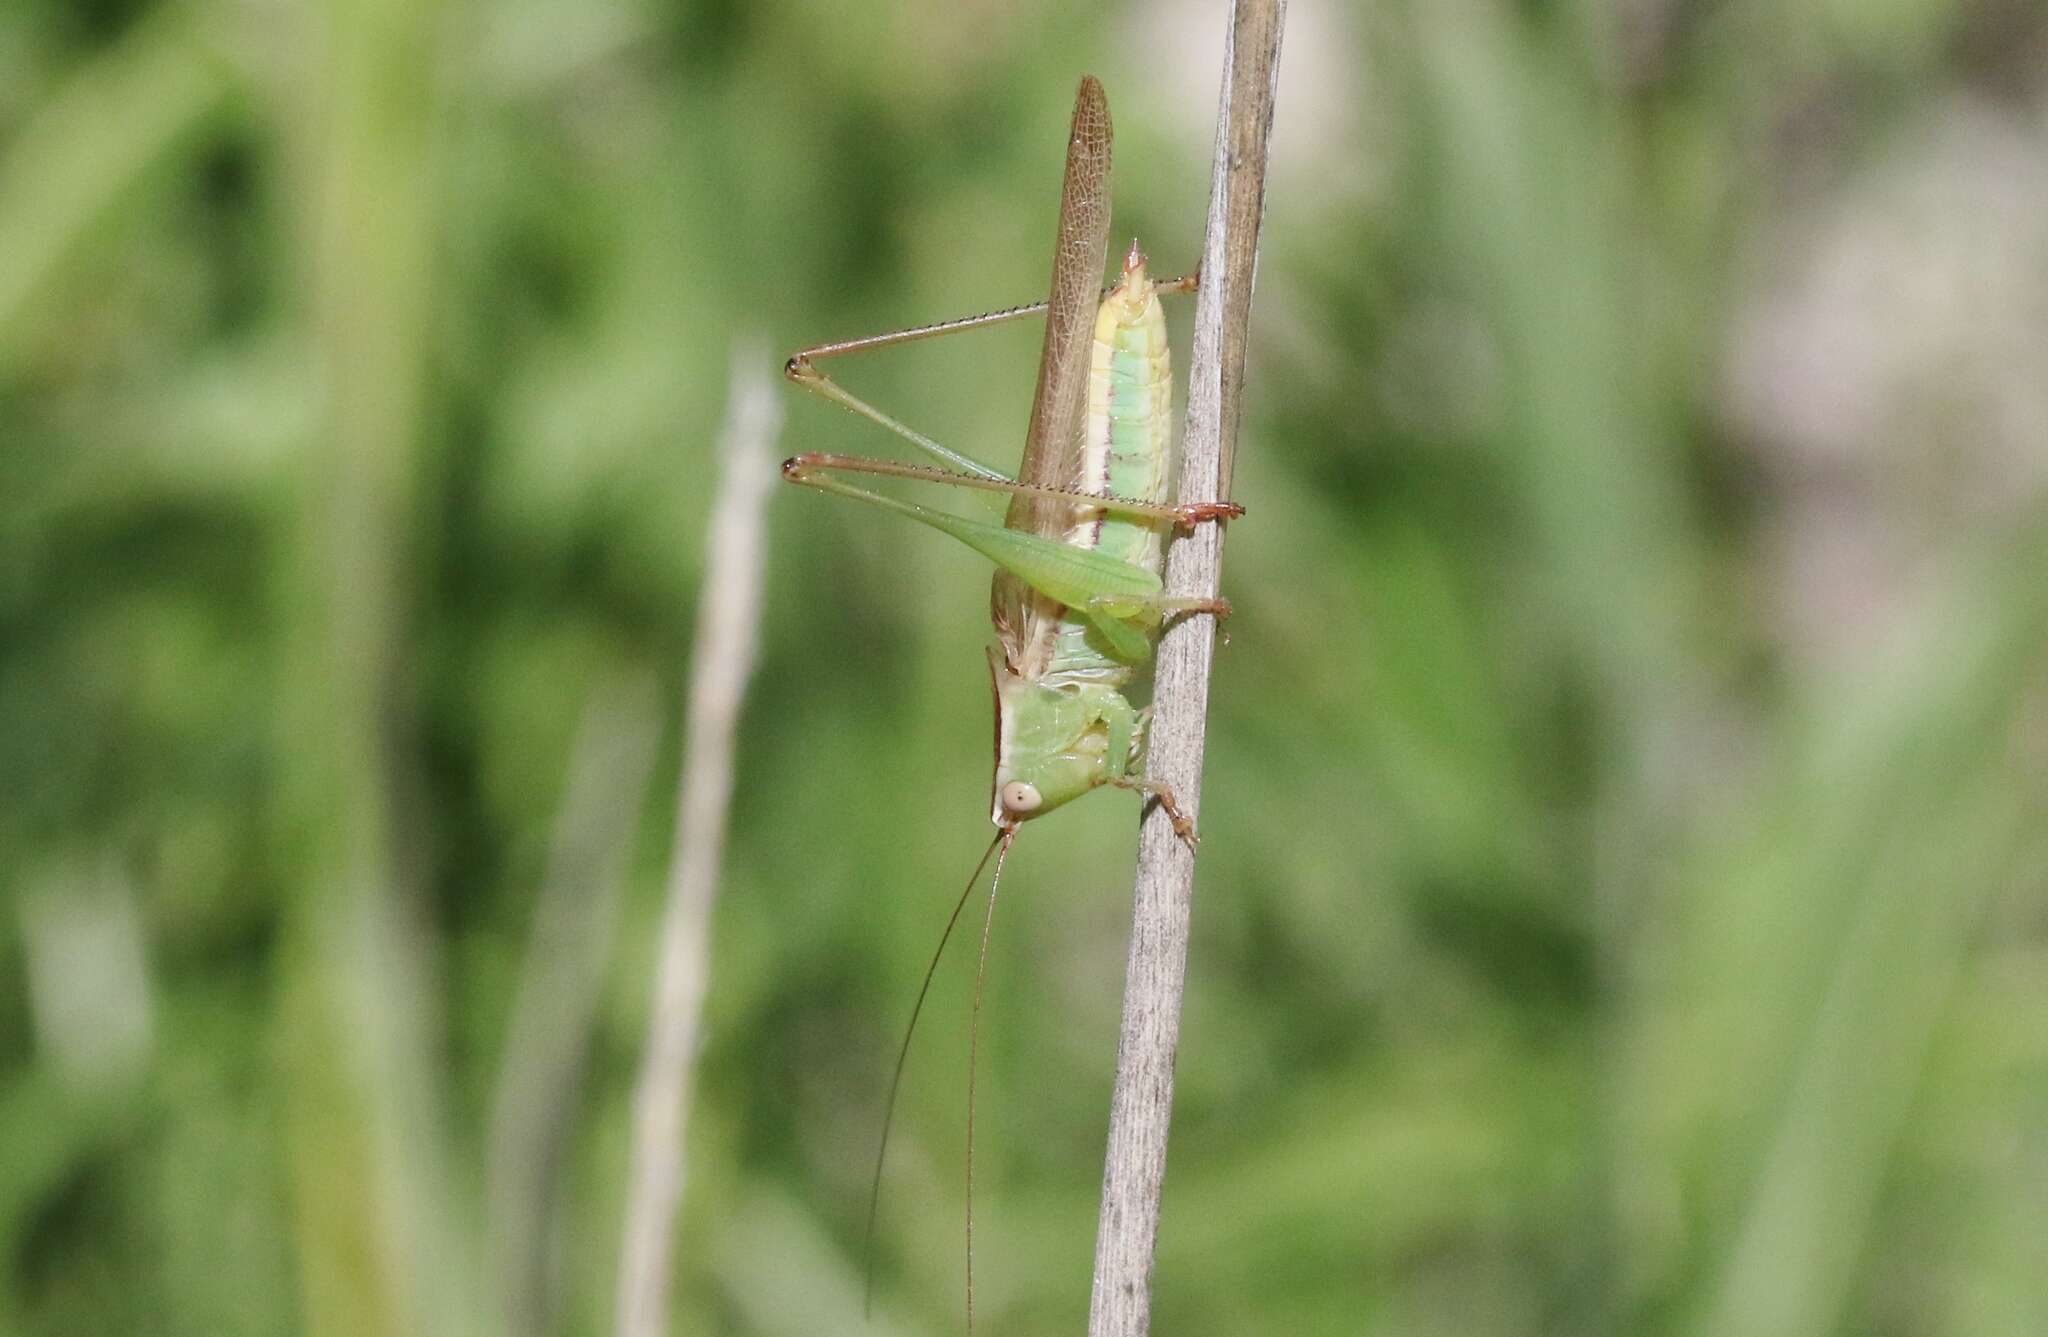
114,122
560,982
376,1250
46,1130
1532,157
728,622
1529,146
1828,950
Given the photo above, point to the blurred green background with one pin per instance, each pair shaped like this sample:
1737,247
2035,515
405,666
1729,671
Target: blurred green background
1621,908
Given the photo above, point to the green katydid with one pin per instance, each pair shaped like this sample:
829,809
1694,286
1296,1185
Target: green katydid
1077,602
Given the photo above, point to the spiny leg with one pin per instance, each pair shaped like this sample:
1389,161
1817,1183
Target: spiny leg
1183,825
1070,575
805,468
892,338
1186,283
802,369
1122,724
1218,608
1195,512
1167,606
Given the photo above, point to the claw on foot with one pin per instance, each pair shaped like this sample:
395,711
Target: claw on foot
1183,825
1195,512
1178,608
801,468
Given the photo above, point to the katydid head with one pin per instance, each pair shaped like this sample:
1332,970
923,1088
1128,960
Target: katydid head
1049,747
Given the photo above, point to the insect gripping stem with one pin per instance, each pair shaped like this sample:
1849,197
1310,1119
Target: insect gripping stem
1077,602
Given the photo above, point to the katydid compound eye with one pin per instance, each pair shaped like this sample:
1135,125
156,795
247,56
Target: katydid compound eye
1020,798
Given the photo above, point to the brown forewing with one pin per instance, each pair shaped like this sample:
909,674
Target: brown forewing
1052,445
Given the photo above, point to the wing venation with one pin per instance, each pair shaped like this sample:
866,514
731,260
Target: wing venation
1052,444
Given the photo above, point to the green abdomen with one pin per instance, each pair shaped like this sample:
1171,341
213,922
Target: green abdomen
1125,447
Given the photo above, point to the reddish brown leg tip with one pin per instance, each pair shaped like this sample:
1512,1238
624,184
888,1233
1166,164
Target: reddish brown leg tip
1195,512
1175,610
1183,825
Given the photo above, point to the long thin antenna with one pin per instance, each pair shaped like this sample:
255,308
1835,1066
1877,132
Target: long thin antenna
1008,834
896,1078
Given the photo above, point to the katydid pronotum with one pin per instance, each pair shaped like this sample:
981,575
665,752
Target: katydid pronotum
1077,601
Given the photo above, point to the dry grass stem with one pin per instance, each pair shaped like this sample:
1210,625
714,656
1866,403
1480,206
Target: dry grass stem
726,630
1141,1105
